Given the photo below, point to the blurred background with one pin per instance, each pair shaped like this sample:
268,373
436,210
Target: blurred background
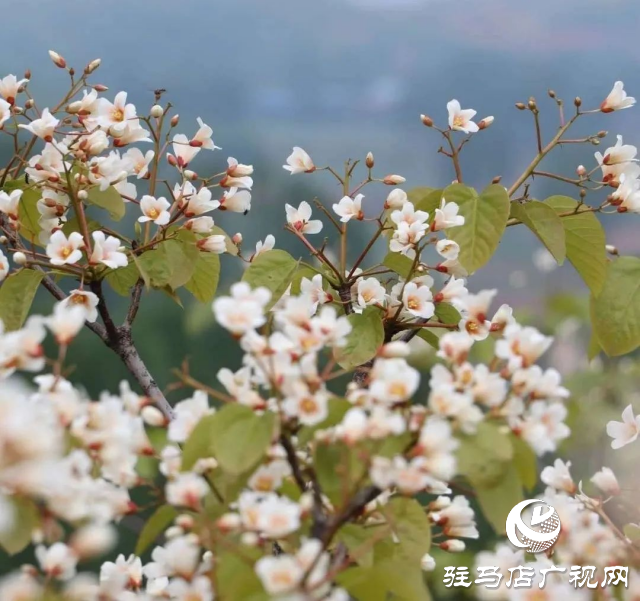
341,78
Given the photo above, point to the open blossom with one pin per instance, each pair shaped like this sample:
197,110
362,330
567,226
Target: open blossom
406,236
299,162
606,481
447,216
4,266
279,575
626,431
108,251
43,127
370,292
66,322
558,476
618,162
627,195
138,161
264,246
198,202
114,116
65,251
460,119
236,169
9,86
183,151
217,244
476,307
187,490
154,209
299,218
235,200
393,381
310,408
200,225
58,561
456,517
243,310
88,301
417,300
349,208
9,203
5,112
617,99
408,214
448,249
396,199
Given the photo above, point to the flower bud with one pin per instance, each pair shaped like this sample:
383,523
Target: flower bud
453,546
306,502
185,521
426,120
496,179
577,101
551,93
153,416
486,122
612,250
520,106
92,66
188,174
393,180
532,104
395,349
74,107
237,238
205,464
29,103
427,563
58,61
19,258
3,240
229,521
27,74
606,481
369,161
175,120
157,111
83,194
172,160
250,539
100,87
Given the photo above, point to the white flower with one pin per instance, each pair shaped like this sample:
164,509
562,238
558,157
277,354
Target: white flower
107,250
179,557
460,119
236,169
4,266
310,408
627,195
5,112
217,244
269,477
427,563
43,127
198,589
313,290
393,381
606,481
349,208
298,219
406,236
154,209
617,99
138,161
62,250
202,139
558,476
447,216
277,517
544,426
263,247
279,575
200,225
9,203
237,201
418,300
408,214
187,490
187,414
114,116
626,431
370,292
454,291
88,301
448,249
457,518
123,572
9,86
299,162
243,310
58,561
198,201
184,152
396,199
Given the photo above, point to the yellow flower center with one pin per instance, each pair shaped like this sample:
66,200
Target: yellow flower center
117,114
458,121
65,252
308,405
398,389
413,303
153,213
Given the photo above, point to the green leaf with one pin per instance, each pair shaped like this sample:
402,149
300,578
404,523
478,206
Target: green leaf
426,199
399,263
485,216
234,435
615,313
204,281
236,577
498,500
274,270
387,579
411,529
337,467
594,348
181,255
16,295
484,457
355,537
525,462
123,279
29,215
154,268
25,519
447,313
109,199
585,242
544,222
304,272
155,525
364,340
429,337
632,532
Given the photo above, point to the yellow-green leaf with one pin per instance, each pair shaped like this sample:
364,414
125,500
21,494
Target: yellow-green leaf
584,240
399,263
274,270
484,457
204,281
155,525
16,295
615,312
364,340
544,222
181,255
486,217
109,200
25,519
498,500
447,313
123,279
